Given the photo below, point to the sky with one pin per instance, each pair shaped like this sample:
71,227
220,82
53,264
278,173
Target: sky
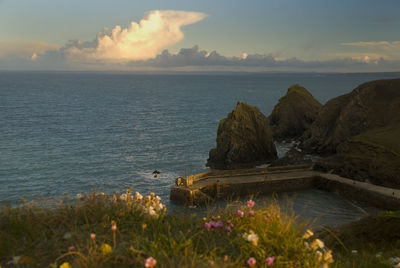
193,35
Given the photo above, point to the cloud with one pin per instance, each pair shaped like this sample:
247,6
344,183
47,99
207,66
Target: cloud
25,49
384,45
158,30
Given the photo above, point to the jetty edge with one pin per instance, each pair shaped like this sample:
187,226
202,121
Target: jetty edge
203,188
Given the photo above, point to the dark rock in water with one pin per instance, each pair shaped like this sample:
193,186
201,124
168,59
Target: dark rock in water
294,113
156,173
370,105
244,139
292,157
372,156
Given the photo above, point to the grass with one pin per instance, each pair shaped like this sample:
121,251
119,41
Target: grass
81,234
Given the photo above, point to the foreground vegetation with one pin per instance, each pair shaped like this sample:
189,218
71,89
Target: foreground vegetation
130,230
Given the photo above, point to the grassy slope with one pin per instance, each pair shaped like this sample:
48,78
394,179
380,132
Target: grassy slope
42,237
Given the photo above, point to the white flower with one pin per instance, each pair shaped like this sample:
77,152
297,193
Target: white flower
159,207
252,238
317,244
123,197
354,251
306,245
138,196
78,196
318,255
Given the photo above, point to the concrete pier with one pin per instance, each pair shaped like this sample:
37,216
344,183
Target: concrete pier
202,188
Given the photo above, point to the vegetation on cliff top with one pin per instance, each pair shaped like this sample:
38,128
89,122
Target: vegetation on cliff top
134,231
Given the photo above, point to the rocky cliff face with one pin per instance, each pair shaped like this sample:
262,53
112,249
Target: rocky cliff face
294,113
371,105
373,156
244,139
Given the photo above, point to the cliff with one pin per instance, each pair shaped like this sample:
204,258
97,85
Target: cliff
371,105
244,139
294,113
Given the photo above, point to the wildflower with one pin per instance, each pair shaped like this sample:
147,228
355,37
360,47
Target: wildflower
219,224
317,244
159,207
318,255
67,235
114,228
328,256
307,234
251,262
306,245
150,262
207,225
228,222
123,197
71,248
15,260
226,258
204,219
93,236
354,251
144,226
138,196
228,229
252,238
250,213
158,198
79,196
105,249
270,260
250,203
240,213
128,191
152,195
267,219
65,265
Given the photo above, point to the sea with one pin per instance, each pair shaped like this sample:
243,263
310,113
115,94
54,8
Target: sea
64,133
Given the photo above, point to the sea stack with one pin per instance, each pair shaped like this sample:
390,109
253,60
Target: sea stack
294,113
244,139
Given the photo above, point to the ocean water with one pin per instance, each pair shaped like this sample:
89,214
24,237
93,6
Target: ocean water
67,133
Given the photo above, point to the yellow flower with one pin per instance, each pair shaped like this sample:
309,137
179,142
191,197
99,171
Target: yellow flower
105,249
65,265
308,234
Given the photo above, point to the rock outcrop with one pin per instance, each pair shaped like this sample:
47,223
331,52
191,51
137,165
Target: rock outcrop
294,113
244,139
292,157
371,105
372,156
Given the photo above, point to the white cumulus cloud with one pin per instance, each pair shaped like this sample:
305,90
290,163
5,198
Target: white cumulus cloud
158,30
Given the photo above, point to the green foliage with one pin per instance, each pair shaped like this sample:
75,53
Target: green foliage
55,235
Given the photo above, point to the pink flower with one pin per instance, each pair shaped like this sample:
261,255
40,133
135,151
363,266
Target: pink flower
228,229
150,262
270,260
251,262
250,203
207,225
250,213
92,236
266,219
240,213
219,224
